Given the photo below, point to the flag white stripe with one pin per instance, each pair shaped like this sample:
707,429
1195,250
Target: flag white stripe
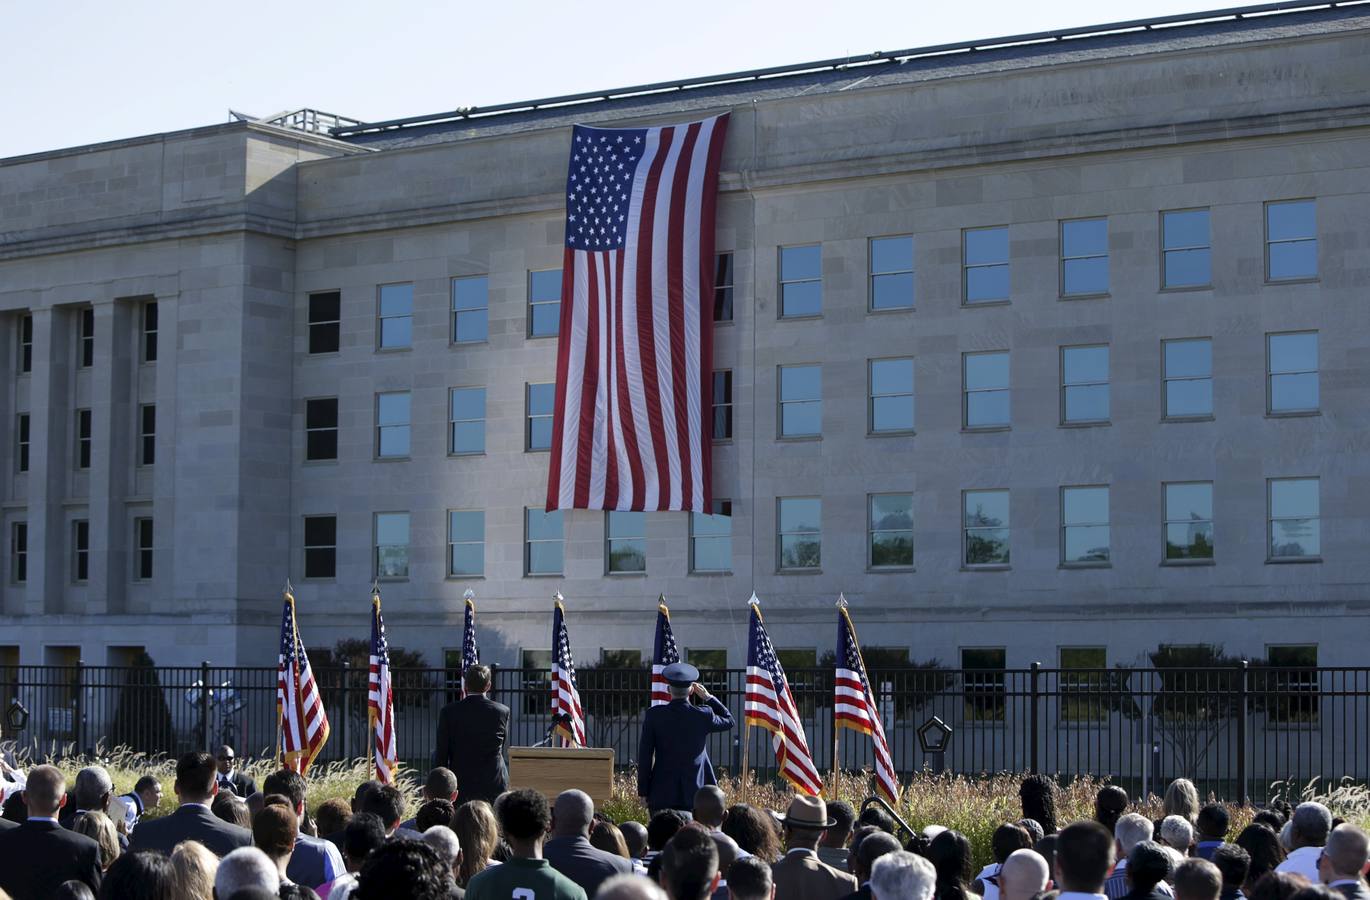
632,356
694,193
599,441
661,325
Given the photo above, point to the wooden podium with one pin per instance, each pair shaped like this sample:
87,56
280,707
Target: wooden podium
551,770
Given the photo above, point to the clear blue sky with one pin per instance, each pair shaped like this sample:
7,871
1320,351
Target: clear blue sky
78,71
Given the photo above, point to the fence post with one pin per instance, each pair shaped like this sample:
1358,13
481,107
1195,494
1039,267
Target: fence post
1242,713
204,706
1033,692
78,708
346,675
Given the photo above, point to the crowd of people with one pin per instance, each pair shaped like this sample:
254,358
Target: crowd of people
81,842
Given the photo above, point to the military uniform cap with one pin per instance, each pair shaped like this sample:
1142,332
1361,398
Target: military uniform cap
680,674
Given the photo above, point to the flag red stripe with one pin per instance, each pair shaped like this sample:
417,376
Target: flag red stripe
645,325
676,293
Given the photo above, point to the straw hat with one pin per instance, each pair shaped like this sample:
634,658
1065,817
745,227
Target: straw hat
807,812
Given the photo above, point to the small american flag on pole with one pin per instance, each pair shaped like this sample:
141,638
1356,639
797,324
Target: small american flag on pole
664,653
854,703
380,697
769,705
632,428
301,723
565,697
470,654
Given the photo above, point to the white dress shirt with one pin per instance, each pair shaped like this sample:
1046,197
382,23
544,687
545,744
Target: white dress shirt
1303,861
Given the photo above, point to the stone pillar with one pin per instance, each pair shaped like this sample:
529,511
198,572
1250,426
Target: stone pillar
112,426
50,458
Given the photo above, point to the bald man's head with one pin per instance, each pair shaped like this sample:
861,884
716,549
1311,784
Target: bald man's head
711,806
572,814
1346,853
1023,875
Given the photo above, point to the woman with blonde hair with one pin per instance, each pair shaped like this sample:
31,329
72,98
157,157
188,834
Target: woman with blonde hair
99,828
606,836
193,867
478,833
1182,799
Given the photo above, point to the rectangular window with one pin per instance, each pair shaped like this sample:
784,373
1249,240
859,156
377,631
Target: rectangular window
542,542
85,351
466,421
891,273
800,532
984,264
541,402
142,561
1084,684
723,287
325,322
1084,526
395,317
1185,250
25,344
890,531
1295,527
801,281
19,552
1291,240
21,432
801,401
1084,257
321,428
392,545
1188,378
83,438
711,539
890,404
1292,361
320,546
471,309
80,550
544,303
1188,521
985,376
147,434
1292,684
984,683
149,344
625,539
392,425
465,543
723,405
986,528
1084,384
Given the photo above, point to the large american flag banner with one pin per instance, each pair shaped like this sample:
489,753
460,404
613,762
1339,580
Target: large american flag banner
664,653
565,697
633,426
769,704
301,724
380,699
470,655
854,704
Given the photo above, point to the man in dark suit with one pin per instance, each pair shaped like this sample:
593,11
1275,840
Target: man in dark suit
195,786
229,778
1343,860
672,762
39,854
471,735
569,849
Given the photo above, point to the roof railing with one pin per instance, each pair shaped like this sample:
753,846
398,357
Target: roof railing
1235,13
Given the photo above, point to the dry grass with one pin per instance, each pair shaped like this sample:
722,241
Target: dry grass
975,806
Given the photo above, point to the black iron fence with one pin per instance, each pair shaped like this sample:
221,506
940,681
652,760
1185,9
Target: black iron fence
1233,730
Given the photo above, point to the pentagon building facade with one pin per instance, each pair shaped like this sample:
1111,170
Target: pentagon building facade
1054,350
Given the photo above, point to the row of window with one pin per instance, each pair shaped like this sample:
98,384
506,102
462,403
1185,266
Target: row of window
1186,392
79,543
85,337
1291,254
82,439
1294,528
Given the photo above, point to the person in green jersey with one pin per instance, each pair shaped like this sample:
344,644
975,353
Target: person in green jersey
525,818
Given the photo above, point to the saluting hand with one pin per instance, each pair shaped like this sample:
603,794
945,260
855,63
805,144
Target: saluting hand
698,690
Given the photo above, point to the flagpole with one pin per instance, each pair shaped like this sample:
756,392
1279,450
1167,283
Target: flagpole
836,743
279,710
746,746
371,738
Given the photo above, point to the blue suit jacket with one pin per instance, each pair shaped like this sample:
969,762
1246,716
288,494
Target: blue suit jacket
671,760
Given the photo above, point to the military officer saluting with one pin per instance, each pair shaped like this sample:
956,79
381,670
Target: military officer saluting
671,760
